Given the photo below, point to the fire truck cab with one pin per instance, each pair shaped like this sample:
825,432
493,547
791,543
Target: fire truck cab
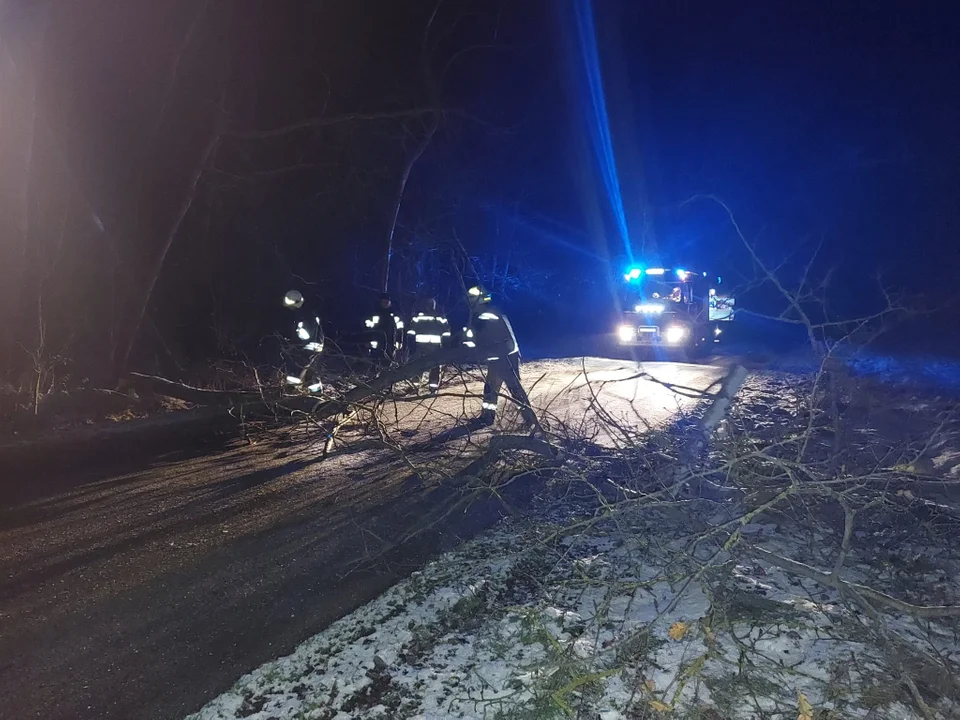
672,308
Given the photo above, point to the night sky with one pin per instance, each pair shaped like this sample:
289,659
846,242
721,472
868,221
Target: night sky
831,125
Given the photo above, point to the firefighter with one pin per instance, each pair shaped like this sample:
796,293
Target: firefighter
303,348
429,332
386,332
490,332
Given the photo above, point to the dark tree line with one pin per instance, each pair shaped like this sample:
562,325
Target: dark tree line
169,169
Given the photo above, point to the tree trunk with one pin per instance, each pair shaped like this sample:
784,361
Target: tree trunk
144,291
18,118
432,126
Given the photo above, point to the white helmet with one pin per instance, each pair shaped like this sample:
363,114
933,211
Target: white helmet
293,299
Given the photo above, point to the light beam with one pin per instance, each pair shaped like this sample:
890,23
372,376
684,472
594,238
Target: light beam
598,120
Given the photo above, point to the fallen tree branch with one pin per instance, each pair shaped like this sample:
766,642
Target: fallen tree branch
501,443
694,447
317,408
830,580
199,396
718,408
229,398
452,356
448,504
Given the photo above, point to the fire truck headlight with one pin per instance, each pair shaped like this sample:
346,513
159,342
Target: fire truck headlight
626,333
675,334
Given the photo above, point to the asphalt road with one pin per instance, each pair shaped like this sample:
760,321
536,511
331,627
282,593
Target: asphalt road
140,581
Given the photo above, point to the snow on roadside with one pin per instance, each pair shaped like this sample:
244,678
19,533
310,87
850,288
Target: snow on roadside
337,668
526,621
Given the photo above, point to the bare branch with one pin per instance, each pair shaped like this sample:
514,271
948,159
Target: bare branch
830,580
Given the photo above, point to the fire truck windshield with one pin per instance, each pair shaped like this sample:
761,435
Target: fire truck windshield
651,290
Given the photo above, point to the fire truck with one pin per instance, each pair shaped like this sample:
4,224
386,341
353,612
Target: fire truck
673,309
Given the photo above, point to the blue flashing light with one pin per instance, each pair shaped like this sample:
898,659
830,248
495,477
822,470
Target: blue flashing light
655,271
682,274
704,274
633,273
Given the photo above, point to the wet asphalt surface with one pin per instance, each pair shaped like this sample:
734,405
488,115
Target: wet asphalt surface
139,581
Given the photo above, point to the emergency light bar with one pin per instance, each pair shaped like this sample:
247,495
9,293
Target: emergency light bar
649,308
635,272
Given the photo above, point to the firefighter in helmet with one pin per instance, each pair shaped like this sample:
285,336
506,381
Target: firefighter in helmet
305,343
428,332
492,335
385,330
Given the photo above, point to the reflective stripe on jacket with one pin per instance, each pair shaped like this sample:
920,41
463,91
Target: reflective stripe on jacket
490,328
308,332
429,329
387,323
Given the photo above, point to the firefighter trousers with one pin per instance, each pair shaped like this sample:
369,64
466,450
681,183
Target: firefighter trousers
422,350
383,349
300,364
506,371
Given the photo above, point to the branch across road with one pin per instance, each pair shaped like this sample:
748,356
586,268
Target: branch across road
145,588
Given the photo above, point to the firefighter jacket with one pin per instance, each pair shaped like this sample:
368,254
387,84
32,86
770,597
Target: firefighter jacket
387,323
490,331
428,329
308,332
